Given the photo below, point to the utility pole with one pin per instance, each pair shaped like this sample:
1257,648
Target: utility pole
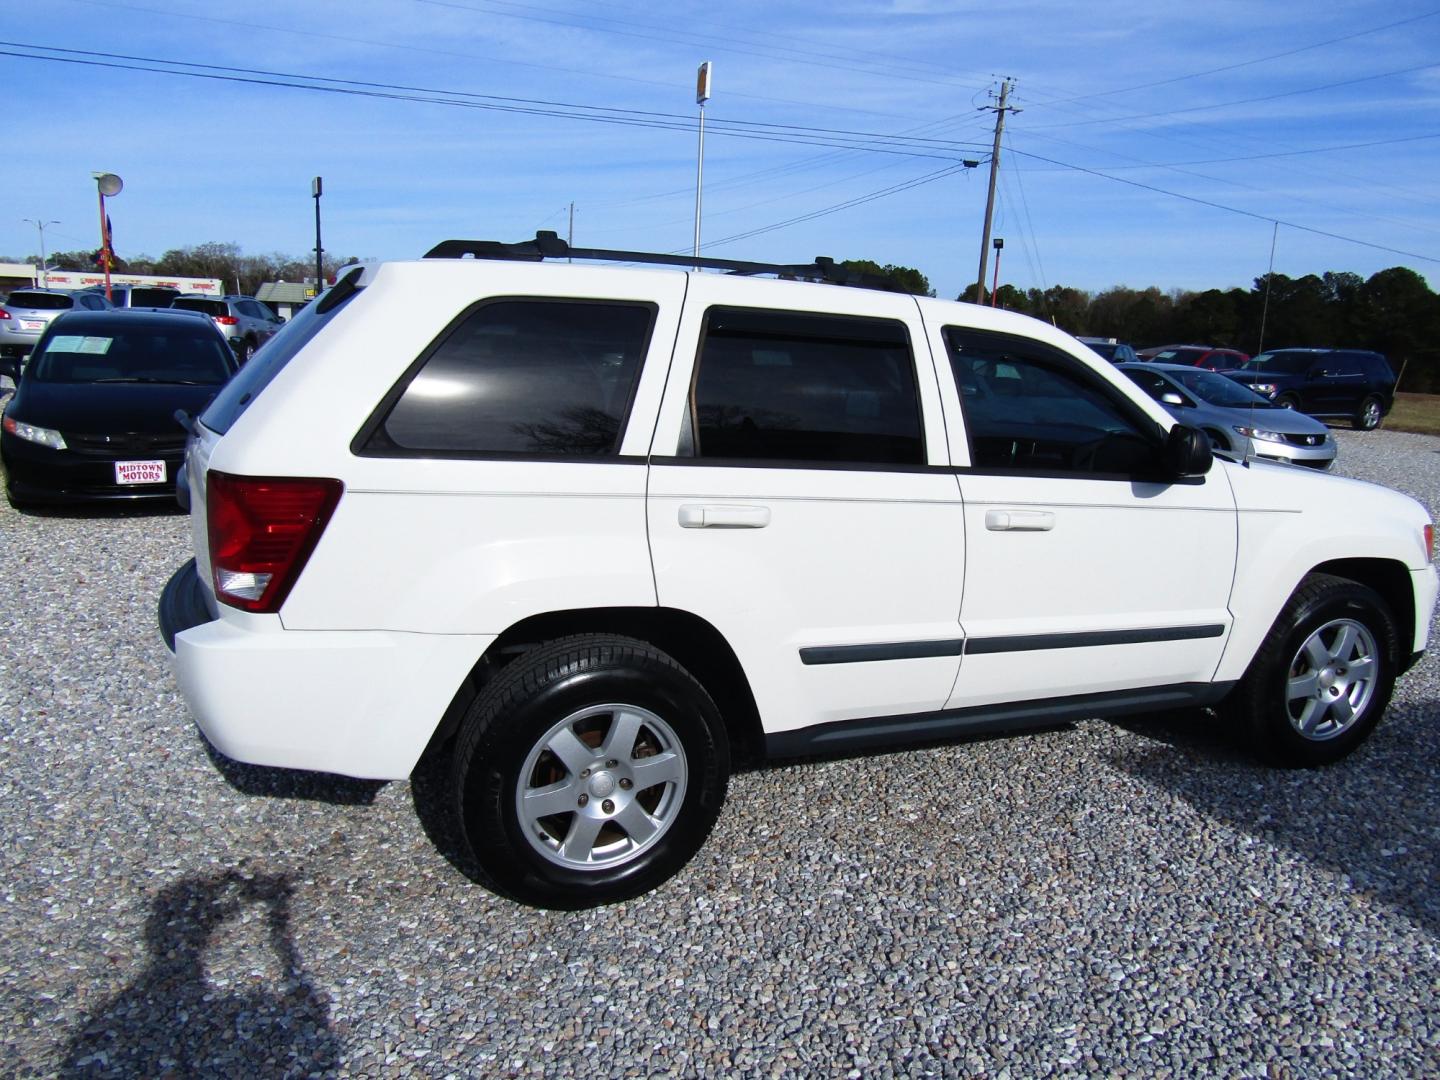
570,236
44,262
317,189
1000,111
702,95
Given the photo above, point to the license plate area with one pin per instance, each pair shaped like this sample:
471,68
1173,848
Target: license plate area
32,324
139,472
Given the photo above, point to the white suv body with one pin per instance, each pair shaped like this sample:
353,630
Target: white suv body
920,566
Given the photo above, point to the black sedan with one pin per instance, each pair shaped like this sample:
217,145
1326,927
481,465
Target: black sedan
93,415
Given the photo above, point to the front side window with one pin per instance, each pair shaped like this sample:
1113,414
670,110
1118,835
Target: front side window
522,377
781,386
1027,409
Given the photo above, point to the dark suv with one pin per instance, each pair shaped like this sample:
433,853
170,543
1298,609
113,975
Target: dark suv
1349,383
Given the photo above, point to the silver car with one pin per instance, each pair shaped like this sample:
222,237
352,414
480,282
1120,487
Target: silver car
244,321
27,312
1237,420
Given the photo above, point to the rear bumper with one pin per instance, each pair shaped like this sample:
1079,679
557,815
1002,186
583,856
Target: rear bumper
357,703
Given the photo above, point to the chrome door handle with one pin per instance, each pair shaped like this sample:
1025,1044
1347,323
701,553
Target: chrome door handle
1019,520
716,516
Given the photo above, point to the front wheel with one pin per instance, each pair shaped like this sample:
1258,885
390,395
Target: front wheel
1367,417
588,772
1288,401
243,350
1322,677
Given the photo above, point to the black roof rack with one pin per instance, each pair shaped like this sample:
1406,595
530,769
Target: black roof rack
548,245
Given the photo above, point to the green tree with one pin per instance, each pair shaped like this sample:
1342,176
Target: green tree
902,277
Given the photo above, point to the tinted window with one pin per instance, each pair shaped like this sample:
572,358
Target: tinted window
201,303
94,303
1281,363
250,308
1218,389
1026,408
268,362
125,353
552,378
141,296
40,301
786,387
1152,382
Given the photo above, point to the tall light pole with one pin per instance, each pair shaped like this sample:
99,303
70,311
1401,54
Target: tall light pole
702,95
995,287
44,262
107,184
317,188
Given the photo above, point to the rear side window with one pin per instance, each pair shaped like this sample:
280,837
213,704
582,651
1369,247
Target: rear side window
140,296
785,387
250,380
39,301
208,306
529,378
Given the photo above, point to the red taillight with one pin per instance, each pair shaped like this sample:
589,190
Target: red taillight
4,314
226,320
262,531
1430,542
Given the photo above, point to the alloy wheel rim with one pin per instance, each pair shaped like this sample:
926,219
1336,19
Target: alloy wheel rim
601,787
1372,414
1332,679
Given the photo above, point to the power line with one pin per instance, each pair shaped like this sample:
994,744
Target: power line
1242,63
1232,209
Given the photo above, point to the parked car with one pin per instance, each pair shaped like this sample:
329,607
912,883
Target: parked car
1235,419
93,417
26,313
1117,352
1352,384
587,534
1204,356
127,296
244,321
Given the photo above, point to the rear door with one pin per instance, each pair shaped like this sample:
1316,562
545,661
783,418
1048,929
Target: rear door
800,500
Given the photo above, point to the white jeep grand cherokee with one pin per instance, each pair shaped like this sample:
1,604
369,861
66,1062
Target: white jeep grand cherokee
591,532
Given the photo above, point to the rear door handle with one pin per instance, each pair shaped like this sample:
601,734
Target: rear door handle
716,516
1019,520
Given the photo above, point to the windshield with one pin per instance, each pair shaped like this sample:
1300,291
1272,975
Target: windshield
40,301
1104,349
1218,389
1280,363
133,355
200,303
1179,356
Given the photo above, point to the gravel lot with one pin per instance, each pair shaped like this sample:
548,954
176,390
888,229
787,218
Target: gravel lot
1126,899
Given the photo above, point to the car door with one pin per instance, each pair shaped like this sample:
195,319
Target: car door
1086,573
800,500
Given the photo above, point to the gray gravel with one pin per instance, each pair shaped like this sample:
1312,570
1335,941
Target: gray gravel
1133,899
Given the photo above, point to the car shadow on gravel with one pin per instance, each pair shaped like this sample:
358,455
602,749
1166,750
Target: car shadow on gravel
1373,818
269,783
173,1020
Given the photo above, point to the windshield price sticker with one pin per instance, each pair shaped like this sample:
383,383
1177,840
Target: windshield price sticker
139,472
72,343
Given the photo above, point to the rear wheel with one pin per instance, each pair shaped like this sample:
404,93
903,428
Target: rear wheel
1322,676
1367,417
589,771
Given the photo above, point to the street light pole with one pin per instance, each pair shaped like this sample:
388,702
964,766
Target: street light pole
317,188
44,262
106,184
702,95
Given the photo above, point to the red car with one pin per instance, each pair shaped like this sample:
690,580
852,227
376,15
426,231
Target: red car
1197,356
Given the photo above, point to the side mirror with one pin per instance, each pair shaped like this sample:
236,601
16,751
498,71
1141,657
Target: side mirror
1171,398
1187,451
10,365
279,320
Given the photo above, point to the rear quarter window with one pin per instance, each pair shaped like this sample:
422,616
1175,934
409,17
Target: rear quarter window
519,377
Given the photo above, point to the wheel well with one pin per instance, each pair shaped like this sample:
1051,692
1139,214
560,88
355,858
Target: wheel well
689,640
1392,581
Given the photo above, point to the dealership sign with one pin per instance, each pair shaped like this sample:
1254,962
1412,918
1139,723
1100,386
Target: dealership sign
85,279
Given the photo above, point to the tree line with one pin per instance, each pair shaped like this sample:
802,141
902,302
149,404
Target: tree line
1392,312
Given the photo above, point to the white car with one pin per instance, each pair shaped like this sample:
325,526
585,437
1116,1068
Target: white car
593,532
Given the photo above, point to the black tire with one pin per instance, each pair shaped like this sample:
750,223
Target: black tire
1272,702
1367,417
577,685
1288,401
243,349
1218,441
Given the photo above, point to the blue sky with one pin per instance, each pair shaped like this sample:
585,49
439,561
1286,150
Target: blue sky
1258,107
